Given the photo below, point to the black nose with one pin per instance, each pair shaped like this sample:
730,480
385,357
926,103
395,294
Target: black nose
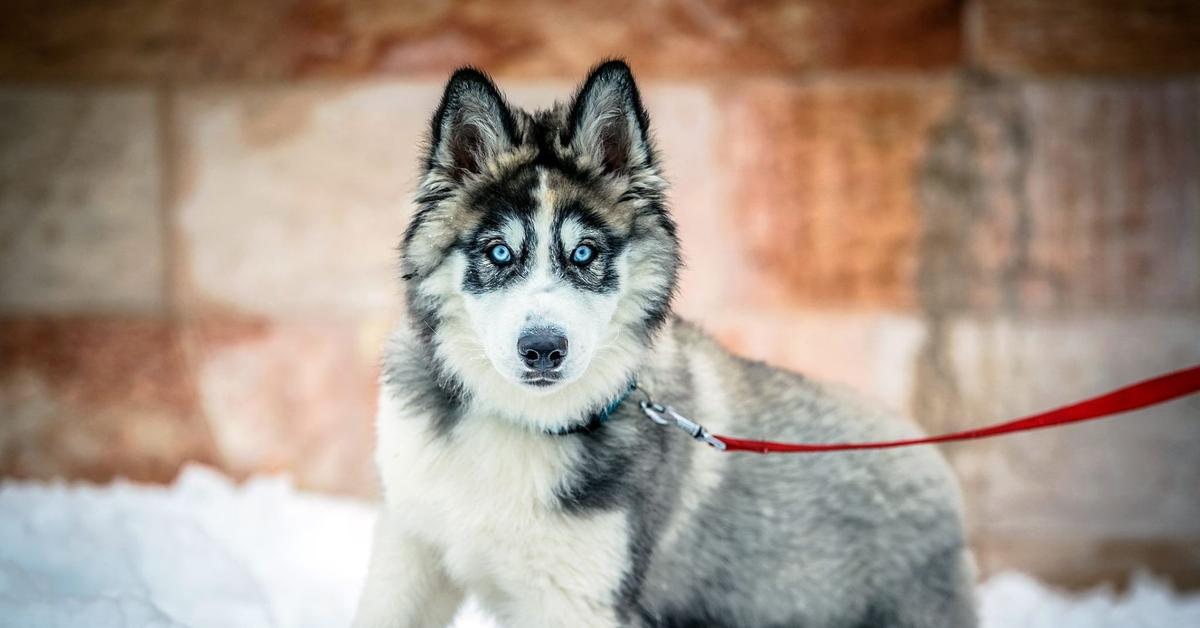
542,350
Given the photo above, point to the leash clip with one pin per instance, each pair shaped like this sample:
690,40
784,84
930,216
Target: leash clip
666,415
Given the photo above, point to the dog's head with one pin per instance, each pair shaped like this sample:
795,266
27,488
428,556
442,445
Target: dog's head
541,259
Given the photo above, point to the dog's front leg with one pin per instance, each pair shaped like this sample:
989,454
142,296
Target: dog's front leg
555,607
406,585
571,574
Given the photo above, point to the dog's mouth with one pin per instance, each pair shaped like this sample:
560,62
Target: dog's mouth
541,379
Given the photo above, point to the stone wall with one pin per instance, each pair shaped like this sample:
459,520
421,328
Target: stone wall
970,210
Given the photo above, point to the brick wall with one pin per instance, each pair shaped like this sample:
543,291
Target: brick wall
970,211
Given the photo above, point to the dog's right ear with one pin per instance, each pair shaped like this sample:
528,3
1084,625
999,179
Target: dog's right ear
471,126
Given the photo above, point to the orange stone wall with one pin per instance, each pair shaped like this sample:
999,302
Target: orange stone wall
970,210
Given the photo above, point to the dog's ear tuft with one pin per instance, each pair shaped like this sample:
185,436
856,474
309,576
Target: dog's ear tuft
472,125
607,122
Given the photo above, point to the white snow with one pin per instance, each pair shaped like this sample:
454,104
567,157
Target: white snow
208,553
1015,600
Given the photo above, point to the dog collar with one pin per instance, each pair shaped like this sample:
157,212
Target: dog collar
598,418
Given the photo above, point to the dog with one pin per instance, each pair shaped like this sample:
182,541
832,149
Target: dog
516,463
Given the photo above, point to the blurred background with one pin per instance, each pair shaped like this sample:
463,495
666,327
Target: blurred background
970,210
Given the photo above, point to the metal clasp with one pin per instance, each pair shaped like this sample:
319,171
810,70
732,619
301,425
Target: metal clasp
666,415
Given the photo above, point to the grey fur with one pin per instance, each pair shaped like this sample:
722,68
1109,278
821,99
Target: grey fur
850,540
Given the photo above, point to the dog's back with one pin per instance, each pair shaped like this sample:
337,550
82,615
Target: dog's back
871,538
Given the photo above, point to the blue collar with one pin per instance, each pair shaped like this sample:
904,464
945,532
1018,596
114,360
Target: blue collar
597,419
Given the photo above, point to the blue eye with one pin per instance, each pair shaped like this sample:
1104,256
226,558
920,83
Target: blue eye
500,254
582,254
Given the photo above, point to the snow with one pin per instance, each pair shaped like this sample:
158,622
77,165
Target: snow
209,553
1017,600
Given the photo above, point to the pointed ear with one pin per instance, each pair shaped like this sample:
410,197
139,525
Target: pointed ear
607,122
471,126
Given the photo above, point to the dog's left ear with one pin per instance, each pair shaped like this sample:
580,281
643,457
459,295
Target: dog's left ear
607,122
472,125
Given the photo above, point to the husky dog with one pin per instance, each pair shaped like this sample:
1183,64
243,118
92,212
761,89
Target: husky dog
516,466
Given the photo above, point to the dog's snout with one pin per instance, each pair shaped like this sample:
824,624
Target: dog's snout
542,349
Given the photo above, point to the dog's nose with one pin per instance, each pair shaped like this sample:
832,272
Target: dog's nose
542,349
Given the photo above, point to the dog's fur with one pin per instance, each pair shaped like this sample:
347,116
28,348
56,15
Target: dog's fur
499,482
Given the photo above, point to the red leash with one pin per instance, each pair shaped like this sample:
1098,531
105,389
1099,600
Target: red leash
1140,395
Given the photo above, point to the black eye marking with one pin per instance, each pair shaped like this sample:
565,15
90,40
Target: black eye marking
587,260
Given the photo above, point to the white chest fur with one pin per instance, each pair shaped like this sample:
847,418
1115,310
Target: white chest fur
484,499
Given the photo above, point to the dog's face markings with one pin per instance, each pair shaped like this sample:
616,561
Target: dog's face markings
588,249
544,268
542,243
505,225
